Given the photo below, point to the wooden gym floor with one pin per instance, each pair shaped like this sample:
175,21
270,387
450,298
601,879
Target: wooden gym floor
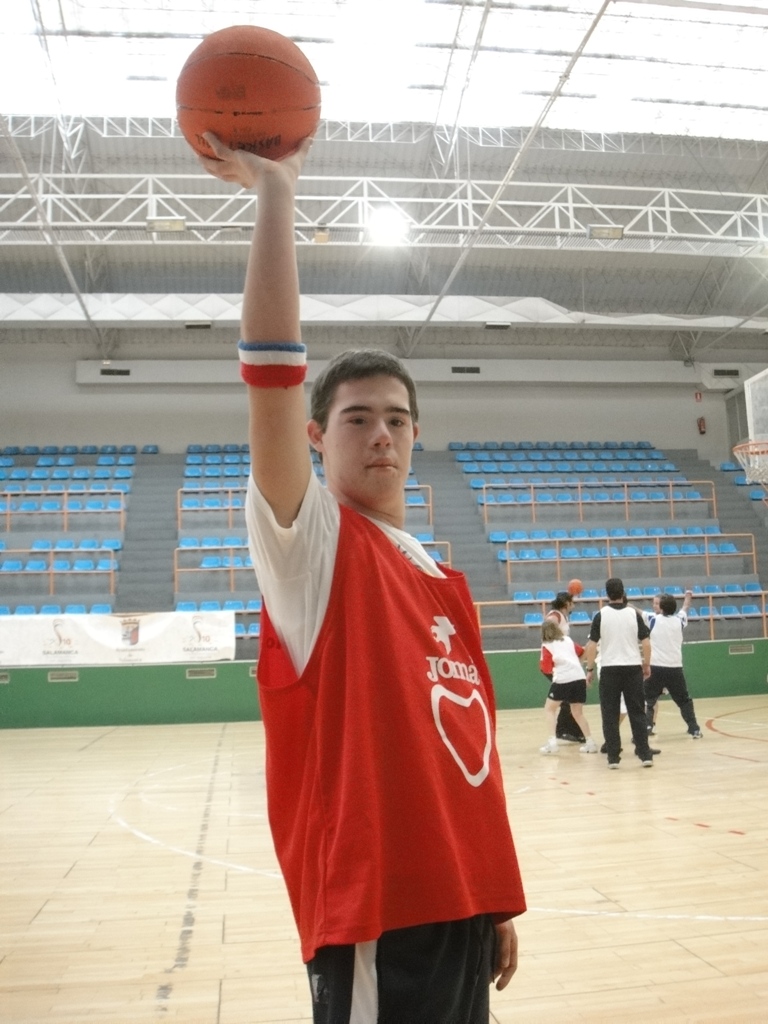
138,881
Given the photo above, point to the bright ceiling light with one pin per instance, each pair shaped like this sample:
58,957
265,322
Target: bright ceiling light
166,224
607,231
387,226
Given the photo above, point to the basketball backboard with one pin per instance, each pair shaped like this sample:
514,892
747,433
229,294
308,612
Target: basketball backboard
753,454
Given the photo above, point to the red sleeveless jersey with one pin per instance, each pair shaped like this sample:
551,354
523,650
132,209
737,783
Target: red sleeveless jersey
384,787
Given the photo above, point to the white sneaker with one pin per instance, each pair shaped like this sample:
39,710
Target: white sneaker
550,747
590,747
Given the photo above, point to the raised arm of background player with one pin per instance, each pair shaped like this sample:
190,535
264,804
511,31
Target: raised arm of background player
280,461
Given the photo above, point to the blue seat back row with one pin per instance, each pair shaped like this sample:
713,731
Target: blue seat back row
547,445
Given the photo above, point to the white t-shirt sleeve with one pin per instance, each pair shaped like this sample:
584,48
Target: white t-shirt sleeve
294,565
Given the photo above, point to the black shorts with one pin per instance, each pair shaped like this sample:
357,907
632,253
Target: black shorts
574,693
429,974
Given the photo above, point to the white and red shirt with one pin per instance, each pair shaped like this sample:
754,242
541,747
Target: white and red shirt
560,659
384,785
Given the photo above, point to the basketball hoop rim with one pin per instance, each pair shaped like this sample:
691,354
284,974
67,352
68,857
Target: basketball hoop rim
751,448
753,456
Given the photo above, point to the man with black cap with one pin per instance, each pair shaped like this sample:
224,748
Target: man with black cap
625,661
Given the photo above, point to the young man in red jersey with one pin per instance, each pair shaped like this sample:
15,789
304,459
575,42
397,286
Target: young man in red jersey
383,780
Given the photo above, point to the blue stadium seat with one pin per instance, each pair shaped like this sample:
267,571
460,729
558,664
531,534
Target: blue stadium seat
186,606
709,613
50,609
210,606
75,609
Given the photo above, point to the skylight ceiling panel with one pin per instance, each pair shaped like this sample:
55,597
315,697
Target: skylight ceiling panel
386,59
528,80
546,30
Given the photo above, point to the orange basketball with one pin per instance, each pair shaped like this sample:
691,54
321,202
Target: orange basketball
575,587
251,87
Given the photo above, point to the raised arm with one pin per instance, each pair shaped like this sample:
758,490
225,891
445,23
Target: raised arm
271,352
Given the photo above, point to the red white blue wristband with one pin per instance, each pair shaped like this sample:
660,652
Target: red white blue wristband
272,364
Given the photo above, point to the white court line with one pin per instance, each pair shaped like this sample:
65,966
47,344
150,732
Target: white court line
242,868
145,837
642,915
148,801
628,914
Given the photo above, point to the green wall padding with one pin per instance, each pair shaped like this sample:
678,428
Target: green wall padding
161,694
128,695
719,668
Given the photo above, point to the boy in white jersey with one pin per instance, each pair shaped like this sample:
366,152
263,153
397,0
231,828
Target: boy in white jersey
667,625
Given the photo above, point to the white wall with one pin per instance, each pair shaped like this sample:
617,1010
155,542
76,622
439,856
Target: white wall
666,416
41,403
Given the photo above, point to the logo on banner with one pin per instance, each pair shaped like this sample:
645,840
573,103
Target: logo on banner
62,640
129,632
61,643
200,641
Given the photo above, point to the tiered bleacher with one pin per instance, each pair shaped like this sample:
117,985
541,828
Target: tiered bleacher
212,568
549,511
554,511
62,520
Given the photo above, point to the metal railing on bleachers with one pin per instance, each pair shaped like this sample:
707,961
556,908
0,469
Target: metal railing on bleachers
528,501
714,616
52,566
654,556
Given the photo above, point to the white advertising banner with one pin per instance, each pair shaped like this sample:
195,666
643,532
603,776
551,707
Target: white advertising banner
158,638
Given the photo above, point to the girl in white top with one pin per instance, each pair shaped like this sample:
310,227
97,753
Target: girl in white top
561,658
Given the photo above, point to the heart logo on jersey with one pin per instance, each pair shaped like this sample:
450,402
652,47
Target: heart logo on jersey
462,726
